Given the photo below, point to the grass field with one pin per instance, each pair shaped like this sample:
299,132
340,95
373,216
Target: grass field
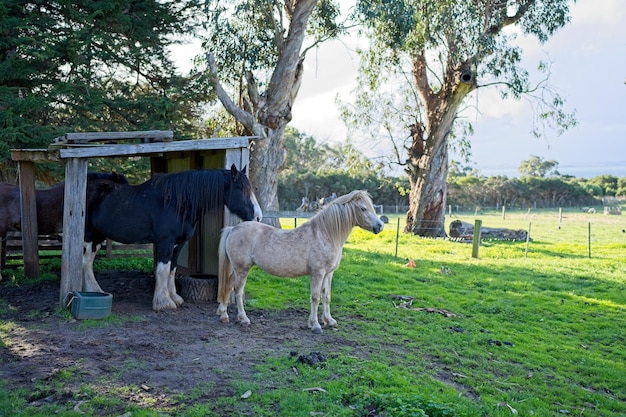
537,330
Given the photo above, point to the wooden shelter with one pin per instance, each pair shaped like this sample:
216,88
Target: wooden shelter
75,150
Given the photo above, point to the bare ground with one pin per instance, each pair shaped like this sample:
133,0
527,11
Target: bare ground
159,354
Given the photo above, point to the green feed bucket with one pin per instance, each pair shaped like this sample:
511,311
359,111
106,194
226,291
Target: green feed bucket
90,305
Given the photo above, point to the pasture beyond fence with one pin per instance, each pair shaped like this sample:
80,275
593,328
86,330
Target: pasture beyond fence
574,233
558,232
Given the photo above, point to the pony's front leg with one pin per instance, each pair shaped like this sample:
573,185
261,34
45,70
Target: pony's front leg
327,319
316,288
161,299
89,279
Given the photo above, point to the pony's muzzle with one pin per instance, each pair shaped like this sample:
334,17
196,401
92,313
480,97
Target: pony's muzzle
378,227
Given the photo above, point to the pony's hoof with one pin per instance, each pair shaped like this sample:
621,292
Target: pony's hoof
162,307
330,323
317,330
244,321
224,319
163,304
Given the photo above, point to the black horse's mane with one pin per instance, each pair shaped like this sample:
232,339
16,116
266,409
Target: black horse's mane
194,193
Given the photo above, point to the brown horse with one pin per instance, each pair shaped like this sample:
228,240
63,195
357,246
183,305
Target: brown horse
314,249
49,203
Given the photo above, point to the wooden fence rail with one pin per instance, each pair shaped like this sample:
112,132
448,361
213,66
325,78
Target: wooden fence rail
11,249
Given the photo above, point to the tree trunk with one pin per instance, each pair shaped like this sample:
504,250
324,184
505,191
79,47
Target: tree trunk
427,200
267,157
427,163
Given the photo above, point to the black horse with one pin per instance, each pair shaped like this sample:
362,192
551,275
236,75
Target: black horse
49,202
164,211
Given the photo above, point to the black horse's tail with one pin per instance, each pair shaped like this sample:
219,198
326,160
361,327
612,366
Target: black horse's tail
225,270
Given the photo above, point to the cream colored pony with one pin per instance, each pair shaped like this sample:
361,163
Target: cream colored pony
313,248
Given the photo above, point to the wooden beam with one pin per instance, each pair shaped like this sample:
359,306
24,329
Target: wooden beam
92,136
28,207
138,149
34,155
73,226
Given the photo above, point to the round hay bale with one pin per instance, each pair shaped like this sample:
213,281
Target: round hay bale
198,288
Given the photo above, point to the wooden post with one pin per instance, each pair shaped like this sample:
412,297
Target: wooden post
30,240
589,240
397,236
503,212
527,240
476,242
73,226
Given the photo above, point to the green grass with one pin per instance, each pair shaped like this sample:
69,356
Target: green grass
541,332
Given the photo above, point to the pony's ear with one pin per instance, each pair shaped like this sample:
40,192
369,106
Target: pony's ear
233,170
243,170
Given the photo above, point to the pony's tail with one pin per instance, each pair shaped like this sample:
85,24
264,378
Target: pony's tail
224,272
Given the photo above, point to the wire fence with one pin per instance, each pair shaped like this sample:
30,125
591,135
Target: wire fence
558,232
555,232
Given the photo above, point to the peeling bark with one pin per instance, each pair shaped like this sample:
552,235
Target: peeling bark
427,163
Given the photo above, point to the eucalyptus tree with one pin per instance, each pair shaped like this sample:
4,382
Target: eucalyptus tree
438,52
536,166
255,50
86,65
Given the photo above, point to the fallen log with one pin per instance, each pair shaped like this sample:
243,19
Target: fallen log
464,230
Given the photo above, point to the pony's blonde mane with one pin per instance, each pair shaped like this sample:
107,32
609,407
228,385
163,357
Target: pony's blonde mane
338,218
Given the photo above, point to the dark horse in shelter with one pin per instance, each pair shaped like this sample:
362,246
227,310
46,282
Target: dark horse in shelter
164,211
49,204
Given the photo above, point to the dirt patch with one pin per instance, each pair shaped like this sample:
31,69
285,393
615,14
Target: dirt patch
160,352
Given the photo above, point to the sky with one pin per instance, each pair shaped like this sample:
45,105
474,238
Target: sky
588,69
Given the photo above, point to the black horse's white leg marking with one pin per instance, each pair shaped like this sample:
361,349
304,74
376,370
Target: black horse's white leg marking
162,299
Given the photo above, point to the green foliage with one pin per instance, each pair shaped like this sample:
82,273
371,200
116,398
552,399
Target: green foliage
608,184
316,171
93,66
530,191
250,35
536,166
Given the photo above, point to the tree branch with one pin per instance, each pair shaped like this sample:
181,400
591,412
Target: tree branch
242,116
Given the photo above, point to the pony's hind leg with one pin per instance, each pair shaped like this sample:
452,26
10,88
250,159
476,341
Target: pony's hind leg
89,279
161,299
239,294
327,319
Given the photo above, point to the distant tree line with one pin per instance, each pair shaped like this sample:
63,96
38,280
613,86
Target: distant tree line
315,171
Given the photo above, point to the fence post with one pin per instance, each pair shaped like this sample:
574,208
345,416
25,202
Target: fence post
397,236
589,240
503,213
476,241
527,239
